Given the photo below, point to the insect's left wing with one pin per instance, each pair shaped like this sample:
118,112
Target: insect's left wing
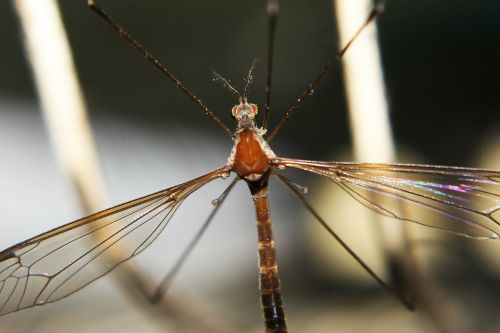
463,201
61,261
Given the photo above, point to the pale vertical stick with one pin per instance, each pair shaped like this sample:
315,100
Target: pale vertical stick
364,81
64,109
61,98
48,52
368,111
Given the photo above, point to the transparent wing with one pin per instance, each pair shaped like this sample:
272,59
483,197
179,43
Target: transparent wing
463,201
59,262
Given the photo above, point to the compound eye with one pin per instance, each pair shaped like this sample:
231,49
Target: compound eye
255,109
233,111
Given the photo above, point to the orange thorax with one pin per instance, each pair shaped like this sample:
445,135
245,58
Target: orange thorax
250,157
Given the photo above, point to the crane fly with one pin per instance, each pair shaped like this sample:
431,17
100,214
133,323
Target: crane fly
59,262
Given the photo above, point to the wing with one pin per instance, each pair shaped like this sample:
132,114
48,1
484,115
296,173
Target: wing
61,261
463,201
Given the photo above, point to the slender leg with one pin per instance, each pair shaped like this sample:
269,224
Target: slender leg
270,289
142,50
167,281
375,12
272,18
289,185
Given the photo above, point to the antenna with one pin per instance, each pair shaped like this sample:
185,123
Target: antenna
225,83
249,78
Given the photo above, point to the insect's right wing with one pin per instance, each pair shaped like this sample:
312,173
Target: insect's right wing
463,201
61,261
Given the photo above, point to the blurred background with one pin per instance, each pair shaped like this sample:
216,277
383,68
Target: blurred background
441,67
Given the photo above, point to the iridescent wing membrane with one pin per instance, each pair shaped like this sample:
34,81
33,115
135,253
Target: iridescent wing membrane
463,201
59,262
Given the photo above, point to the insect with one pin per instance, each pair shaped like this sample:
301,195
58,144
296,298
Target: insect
463,200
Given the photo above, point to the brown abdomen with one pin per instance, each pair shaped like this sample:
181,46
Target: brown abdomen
249,158
270,289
